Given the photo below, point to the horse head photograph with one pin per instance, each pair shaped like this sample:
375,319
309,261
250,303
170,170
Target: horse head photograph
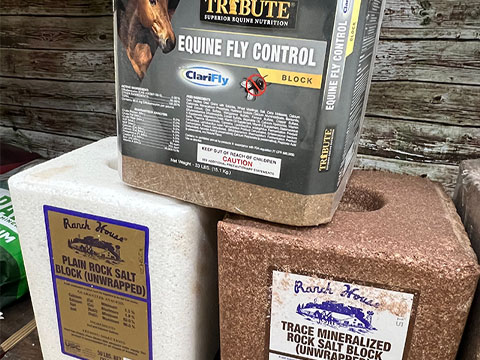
143,27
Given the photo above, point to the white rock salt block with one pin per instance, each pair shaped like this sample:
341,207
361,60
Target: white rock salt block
114,272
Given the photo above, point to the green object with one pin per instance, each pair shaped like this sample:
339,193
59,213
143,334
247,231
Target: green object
13,280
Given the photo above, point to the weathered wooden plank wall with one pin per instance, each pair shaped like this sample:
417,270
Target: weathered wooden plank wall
423,117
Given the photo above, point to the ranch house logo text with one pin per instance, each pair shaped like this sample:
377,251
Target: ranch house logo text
348,292
257,13
100,228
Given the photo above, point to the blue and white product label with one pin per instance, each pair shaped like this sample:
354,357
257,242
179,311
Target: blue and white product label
101,284
315,318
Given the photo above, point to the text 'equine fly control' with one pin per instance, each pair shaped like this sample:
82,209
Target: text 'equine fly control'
250,106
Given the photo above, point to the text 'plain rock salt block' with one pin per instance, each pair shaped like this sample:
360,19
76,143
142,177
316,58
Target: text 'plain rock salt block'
467,200
114,272
262,118
391,277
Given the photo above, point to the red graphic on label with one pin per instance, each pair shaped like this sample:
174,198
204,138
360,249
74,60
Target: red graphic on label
256,85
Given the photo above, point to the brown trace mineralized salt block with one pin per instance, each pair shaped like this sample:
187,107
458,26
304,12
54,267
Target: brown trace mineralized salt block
391,277
467,200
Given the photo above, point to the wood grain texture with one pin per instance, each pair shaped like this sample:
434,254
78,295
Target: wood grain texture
61,95
44,144
439,103
419,141
431,19
87,125
77,65
38,32
56,8
433,61
444,174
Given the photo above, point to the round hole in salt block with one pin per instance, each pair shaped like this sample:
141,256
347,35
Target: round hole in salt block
113,164
357,199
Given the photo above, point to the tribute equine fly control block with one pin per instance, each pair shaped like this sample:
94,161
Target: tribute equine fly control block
254,107
391,277
114,272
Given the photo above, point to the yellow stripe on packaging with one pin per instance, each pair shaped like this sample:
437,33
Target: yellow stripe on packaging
292,78
353,26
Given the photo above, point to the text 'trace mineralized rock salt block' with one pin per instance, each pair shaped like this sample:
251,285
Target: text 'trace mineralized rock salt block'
467,200
249,106
391,277
114,272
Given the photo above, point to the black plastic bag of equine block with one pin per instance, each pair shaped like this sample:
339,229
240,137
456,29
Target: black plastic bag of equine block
250,106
